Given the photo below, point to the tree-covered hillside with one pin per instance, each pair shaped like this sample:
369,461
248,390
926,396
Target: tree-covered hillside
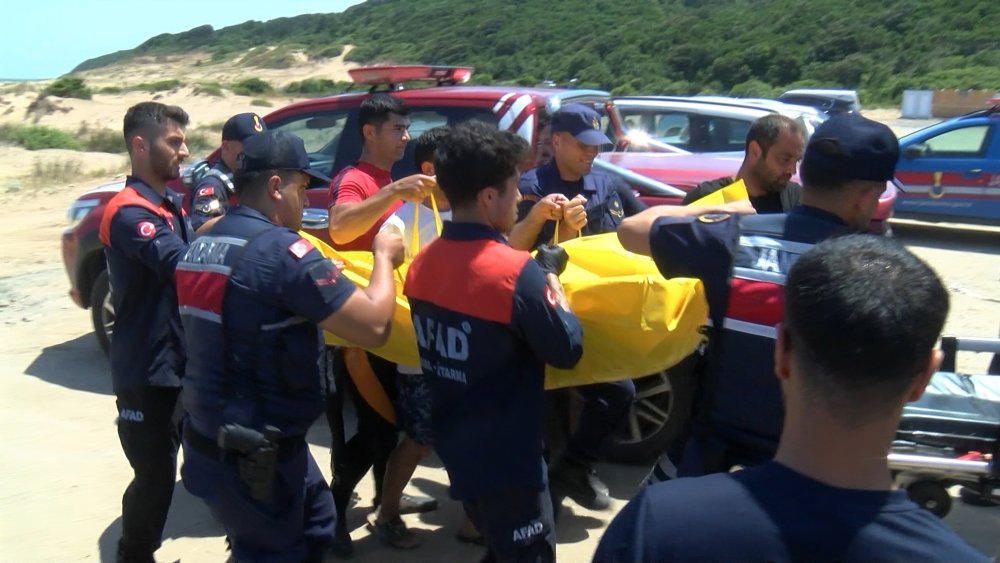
741,47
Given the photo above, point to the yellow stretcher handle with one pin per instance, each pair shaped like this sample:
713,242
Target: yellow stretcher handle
555,237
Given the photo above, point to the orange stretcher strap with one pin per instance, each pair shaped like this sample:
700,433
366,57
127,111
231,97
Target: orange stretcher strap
367,384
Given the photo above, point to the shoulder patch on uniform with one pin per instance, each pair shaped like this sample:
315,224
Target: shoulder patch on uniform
146,229
714,217
615,207
206,191
300,248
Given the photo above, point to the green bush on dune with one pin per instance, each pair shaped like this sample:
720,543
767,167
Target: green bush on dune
37,137
157,86
69,87
315,87
251,87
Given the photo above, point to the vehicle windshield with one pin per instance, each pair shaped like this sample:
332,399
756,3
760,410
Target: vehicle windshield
333,141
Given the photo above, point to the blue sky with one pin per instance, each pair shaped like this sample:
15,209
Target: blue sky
47,38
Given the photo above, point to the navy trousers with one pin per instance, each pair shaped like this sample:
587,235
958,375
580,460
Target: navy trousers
295,524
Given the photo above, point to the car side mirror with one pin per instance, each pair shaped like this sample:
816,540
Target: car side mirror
916,151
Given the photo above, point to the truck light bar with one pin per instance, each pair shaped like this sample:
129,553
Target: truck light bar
379,75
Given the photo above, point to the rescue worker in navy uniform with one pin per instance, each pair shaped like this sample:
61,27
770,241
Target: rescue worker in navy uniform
774,148
145,233
857,342
583,201
743,262
488,318
251,293
214,193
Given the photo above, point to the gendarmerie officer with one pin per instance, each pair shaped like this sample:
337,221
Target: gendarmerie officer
214,193
251,293
145,232
584,201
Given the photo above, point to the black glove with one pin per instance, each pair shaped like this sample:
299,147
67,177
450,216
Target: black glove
552,258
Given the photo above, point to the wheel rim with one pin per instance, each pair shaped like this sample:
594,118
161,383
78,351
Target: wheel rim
654,401
108,317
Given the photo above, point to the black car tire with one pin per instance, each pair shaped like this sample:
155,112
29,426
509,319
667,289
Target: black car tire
102,314
662,407
930,495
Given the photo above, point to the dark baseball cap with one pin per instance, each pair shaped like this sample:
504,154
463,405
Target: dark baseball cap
582,122
241,126
276,150
851,147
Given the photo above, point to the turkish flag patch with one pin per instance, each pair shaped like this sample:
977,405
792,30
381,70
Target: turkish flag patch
206,191
146,229
300,248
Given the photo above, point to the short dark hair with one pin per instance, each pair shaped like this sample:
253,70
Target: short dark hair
766,130
426,144
249,184
473,156
377,108
148,118
862,315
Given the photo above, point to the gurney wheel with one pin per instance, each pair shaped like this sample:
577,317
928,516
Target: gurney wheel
930,495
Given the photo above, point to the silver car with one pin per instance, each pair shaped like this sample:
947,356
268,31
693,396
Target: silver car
703,124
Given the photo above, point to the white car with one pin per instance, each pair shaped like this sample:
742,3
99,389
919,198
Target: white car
703,124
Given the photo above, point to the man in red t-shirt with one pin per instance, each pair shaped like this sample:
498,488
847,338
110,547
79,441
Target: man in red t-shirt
363,196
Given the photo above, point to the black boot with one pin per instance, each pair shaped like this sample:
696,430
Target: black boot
578,481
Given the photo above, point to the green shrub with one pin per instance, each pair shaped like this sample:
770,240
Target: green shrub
753,88
262,57
251,87
37,137
69,87
330,52
315,87
208,89
111,90
158,86
261,102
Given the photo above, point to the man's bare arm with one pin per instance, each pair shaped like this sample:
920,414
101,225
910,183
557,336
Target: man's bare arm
349,221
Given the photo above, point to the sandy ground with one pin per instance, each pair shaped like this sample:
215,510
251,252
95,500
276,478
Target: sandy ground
62,469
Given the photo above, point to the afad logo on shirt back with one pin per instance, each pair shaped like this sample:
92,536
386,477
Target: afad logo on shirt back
449,342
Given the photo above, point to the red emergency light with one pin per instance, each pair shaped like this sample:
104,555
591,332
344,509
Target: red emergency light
378,75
